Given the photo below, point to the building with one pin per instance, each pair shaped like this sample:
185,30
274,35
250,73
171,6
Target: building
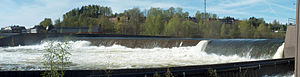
14,29
193,19
37,29
228,20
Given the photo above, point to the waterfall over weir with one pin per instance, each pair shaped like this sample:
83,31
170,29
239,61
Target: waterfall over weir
253,48
86,56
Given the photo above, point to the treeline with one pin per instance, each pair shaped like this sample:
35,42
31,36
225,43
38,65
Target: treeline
167,22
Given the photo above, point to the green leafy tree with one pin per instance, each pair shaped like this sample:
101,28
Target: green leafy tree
57,23
168,14
199,17
245,29
234,31
178,25
118,27
90,30
153,24
276,25
224,31
174,26
261,31
212,29
86,16
56,58
255,21
214,16
106,25
189,28
136,19
46,22
201,28
269,31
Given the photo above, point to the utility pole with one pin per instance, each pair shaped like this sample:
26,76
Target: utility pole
297,53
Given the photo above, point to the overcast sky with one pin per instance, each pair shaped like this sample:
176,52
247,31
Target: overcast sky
31,12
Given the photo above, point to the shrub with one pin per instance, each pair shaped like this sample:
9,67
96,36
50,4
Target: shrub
56,58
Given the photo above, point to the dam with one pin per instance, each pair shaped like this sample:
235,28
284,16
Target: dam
144,53
88,57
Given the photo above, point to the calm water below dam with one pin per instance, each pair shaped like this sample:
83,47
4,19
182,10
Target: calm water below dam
88,57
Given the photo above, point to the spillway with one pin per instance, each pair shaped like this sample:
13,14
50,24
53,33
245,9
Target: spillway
88,56
252,48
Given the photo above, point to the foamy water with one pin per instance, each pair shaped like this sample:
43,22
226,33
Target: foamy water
86,57
279,52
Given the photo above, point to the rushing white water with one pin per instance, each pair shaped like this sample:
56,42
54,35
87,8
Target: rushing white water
279,52
180,44
201,45
85,56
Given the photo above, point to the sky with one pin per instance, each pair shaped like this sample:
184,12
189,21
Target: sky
31,12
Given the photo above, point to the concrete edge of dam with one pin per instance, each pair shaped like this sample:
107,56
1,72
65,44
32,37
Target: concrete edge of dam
131,41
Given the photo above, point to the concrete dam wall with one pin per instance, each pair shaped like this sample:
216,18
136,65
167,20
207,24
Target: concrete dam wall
26,39
104,40
290,42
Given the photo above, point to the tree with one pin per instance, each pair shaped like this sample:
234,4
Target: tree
213,29
234,31
245,29
178,25
200,28
106,25
46,22
168,14
136,19
90,30
57,23
276,25
189,27
174,26
261,31
85,16
256,21
199,16
153,24
118,27
214,16
224,31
